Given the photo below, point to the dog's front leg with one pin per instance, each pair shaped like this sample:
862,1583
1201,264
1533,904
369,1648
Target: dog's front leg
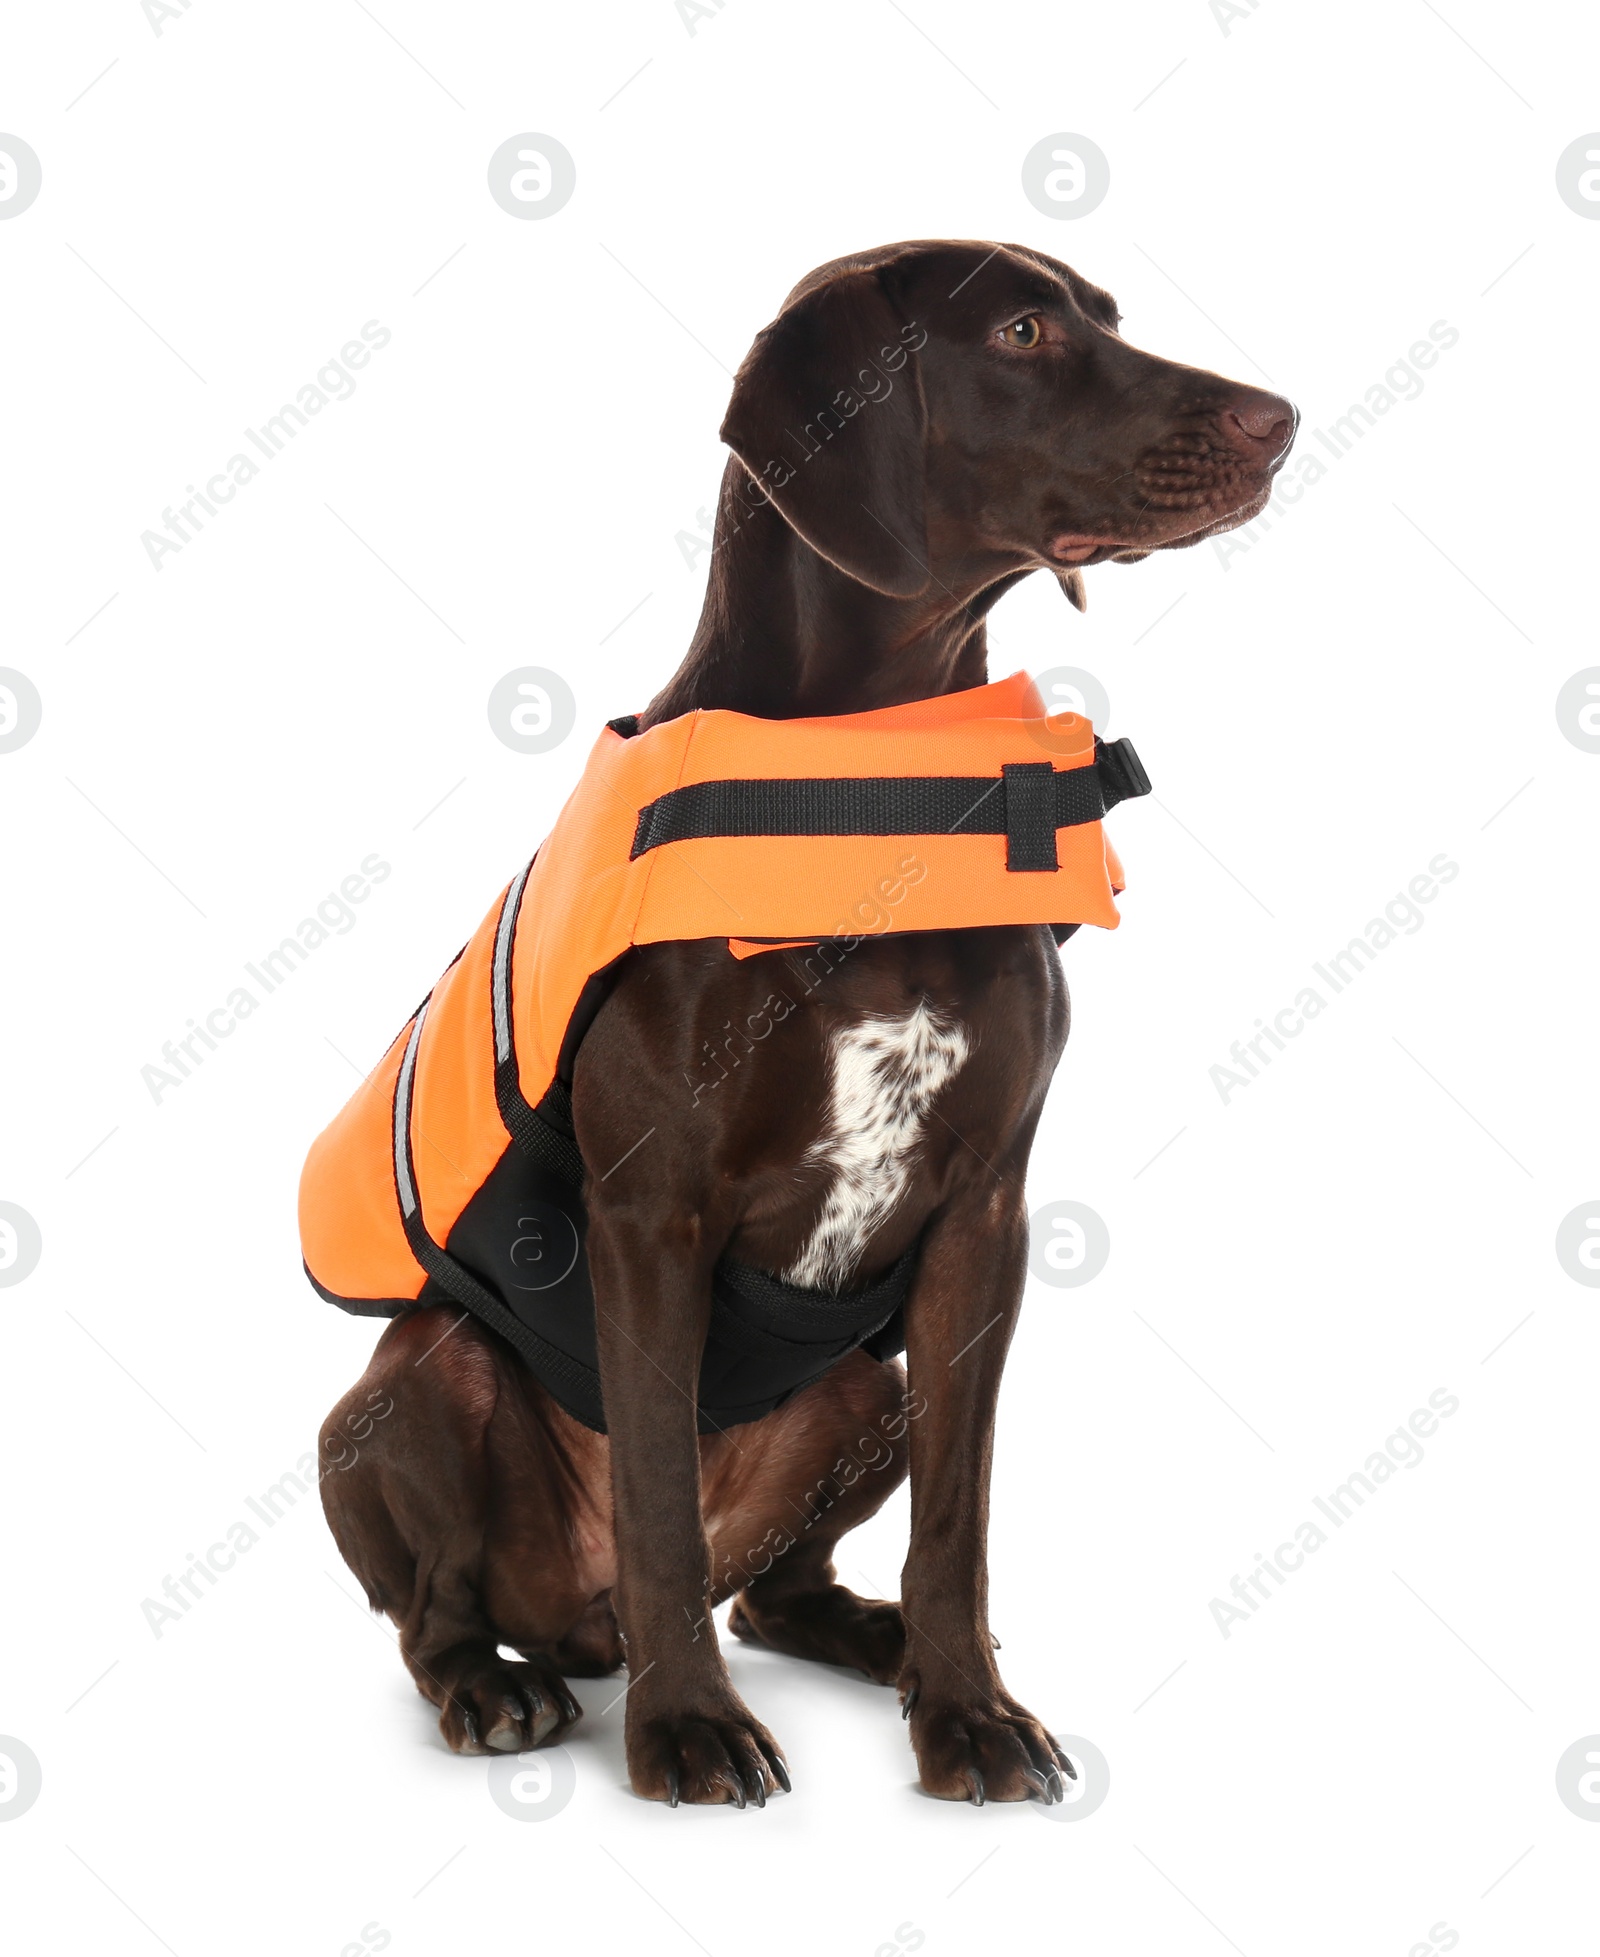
689,1735
973,1741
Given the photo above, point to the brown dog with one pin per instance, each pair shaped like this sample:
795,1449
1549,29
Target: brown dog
1019,432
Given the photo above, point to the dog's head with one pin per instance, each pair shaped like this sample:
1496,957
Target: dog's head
975,405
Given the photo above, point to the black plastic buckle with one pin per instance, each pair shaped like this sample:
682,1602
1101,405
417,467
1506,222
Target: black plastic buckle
1121,772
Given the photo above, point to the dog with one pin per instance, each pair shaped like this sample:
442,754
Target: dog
987,421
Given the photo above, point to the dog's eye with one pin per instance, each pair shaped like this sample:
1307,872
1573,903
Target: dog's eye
1023,332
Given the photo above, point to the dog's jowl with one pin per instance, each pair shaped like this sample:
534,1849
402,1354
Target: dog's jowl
728,1102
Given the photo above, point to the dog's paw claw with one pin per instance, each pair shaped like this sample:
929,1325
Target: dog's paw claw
504,1707
723,1758
993,1750
506,1734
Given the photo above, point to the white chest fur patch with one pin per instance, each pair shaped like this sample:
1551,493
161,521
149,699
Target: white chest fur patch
883,1076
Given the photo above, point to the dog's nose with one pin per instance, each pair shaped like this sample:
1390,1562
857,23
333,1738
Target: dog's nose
1259,425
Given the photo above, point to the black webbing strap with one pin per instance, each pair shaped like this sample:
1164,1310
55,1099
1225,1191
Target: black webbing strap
1030,801
789,1313
1026,803
559,1370
534,1137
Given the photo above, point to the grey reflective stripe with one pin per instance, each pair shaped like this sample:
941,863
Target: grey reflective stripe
505,931
402,1120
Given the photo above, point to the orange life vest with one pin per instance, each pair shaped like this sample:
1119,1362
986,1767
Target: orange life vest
452,1174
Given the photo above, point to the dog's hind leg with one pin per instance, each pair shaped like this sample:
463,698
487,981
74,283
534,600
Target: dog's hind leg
593,1647
802,1610
458,1530
807,1474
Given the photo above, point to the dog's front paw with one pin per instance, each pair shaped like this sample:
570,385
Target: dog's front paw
497,1706
714,1757
983,1747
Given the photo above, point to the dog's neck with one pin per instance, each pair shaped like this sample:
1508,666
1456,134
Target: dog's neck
783,633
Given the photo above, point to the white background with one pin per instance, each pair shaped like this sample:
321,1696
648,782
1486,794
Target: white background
1369,684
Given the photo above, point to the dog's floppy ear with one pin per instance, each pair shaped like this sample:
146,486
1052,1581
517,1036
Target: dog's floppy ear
827,416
